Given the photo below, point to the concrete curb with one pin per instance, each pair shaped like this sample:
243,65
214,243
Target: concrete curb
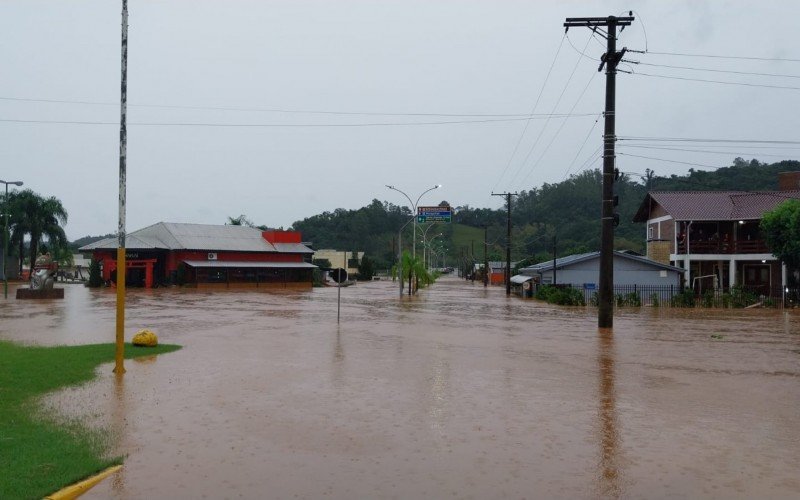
81,487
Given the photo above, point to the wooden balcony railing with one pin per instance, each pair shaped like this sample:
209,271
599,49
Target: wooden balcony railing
725,247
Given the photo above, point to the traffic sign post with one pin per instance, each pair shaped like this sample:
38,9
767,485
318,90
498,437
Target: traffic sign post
434,214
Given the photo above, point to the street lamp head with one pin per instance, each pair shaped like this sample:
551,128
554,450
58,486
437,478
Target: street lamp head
388,186
15,183
438,186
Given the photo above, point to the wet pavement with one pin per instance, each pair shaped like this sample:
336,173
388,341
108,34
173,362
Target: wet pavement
459,392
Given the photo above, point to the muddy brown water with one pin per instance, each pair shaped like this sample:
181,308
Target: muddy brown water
459,392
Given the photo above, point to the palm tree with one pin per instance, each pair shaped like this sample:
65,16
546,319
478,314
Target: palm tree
39,218
414,271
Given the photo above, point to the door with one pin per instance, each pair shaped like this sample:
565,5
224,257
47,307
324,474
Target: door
757,278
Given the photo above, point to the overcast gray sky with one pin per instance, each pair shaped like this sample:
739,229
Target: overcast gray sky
398,62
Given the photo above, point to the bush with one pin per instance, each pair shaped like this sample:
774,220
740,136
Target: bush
654,300
629,299
564,296
684,299
742,298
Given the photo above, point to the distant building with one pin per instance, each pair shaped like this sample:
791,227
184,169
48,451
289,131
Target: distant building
209,256
341,259
583,271
714,235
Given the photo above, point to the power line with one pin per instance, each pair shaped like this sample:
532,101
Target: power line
741,84
703,151
264,110
714,56
585,140
533,109
547,122
690,68
281,125
558,131
693,139
672,161
715,146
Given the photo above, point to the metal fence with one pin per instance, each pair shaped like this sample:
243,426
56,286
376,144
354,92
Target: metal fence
676,296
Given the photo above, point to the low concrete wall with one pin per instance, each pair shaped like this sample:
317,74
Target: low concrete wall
27,293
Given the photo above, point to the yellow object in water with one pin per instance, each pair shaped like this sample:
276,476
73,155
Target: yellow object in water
146,338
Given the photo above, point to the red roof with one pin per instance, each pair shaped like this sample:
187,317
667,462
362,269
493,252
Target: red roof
713,205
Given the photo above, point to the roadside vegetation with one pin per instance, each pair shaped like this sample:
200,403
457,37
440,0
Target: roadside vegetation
40,452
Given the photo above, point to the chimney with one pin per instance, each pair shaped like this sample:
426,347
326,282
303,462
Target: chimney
788,181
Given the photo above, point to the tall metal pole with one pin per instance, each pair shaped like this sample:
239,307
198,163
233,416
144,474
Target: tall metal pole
605,314
119,367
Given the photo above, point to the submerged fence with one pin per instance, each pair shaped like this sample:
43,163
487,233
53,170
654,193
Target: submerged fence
674,296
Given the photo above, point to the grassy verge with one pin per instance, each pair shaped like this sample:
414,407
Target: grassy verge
39,455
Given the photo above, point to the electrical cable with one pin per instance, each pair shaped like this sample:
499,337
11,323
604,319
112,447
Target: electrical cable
703,151
558,131
689,68
547,122
264,110
533,110
714,56
741,84
672,161
278,125
692,139
585,140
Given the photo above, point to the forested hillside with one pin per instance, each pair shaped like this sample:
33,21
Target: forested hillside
568,211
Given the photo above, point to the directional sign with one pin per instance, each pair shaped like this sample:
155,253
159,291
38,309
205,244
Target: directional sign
434,214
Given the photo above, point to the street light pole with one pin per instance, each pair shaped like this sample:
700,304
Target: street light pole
414,211
5,237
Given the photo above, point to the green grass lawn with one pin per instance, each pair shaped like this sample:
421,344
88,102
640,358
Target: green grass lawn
38,453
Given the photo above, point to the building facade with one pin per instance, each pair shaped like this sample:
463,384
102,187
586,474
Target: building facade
208,256
715,237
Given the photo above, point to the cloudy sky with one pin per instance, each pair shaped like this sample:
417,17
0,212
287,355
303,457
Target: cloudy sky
282,109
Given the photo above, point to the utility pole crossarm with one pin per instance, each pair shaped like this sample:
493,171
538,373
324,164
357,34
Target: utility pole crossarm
592,22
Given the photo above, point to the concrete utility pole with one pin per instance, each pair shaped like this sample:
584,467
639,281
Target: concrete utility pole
508,239
605,313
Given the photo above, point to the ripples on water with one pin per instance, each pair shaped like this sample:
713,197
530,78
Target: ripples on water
458,392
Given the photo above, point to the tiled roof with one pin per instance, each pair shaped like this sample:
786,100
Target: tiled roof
713,205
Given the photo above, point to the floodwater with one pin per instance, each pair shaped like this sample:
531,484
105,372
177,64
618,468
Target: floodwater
459,392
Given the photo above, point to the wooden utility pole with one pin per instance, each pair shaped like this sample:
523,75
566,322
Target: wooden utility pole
485,256
605,313
508,239
554,260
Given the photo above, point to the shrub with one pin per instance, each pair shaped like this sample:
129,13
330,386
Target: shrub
684,299
628,299
564,296
654,300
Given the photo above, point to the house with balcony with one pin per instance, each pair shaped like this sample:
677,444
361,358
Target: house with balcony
715,237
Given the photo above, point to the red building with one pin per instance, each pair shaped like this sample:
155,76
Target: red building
206,255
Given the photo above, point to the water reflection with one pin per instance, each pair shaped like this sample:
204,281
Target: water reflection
609,427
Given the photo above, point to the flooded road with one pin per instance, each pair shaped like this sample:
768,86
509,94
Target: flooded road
459,392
